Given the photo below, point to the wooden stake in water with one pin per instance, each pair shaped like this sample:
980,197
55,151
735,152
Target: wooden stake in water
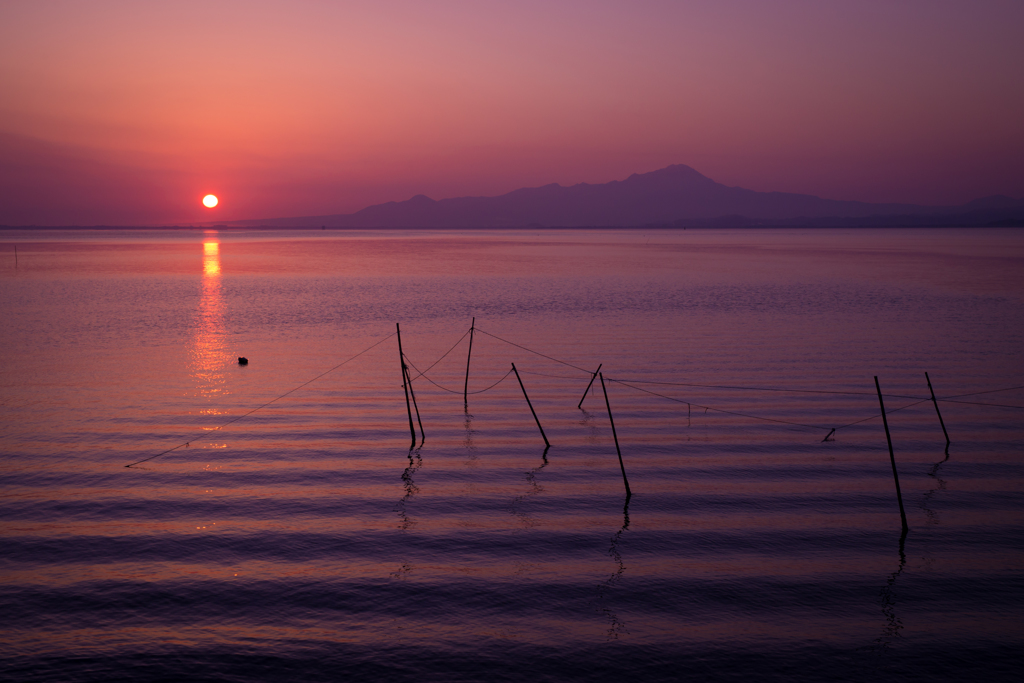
15,256
892,457
465,389
616,437
936,404
592,378
542,434
423,436
405,383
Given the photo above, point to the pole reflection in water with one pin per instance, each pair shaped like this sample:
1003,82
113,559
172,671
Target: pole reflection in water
468,443
617,626
535,488
207,356
940,486
415,462
405,522
893,624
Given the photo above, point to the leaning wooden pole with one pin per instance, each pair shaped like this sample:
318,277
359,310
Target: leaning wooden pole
936,404
892,457
465,389
405,383
423,436
542,434
616,437
592,378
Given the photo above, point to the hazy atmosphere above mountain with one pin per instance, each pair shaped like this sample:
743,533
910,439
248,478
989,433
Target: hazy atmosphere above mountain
127,113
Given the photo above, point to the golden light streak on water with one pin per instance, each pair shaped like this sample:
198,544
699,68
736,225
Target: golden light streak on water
208,356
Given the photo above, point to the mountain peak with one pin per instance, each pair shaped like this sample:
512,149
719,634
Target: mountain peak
673,173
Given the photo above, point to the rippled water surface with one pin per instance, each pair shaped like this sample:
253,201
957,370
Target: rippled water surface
291,534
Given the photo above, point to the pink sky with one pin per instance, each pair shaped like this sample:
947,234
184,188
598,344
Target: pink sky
129,112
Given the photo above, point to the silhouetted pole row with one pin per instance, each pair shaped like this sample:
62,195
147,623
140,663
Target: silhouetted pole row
405,384
543,436
465,390
616,437
936,404
892,457
592,378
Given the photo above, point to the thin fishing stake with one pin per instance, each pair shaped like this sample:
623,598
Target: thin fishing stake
542,434
892,457
405,384
592,378
465,389
423,436
616,437
936,404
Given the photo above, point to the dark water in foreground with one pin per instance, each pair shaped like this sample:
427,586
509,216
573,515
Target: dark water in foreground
306,542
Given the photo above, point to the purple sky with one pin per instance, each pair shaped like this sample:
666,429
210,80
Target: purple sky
128,112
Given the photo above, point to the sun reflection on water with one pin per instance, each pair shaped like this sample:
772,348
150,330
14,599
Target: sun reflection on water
208,357
211,258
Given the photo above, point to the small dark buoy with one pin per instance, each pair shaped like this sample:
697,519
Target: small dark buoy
242,360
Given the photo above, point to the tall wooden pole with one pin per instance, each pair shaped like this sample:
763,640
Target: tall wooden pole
405,384
892,457
542,434
936,404
616,437
465,389
592,378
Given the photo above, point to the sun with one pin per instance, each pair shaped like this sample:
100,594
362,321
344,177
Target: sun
210,201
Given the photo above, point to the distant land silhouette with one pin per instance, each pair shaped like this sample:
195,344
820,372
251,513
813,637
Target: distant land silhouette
675,196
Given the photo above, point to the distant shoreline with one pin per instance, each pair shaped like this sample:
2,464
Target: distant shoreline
1005,223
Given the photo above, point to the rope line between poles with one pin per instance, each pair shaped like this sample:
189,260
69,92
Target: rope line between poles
720,386
450,391
576,367
768,419
719,410
541,374
976,403
625,382
438,360
260,407
978,393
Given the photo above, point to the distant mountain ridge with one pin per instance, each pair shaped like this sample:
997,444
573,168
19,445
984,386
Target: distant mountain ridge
676,195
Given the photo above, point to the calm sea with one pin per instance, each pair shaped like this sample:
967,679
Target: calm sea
293,535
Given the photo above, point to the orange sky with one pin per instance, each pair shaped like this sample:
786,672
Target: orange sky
128,112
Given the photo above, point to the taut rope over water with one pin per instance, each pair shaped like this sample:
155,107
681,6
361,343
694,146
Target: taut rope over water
260,407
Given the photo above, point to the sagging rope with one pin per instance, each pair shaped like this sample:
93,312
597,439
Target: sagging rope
260,407
423,373
438,360
451,391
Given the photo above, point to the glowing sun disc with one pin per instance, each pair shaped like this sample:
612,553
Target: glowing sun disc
210,201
